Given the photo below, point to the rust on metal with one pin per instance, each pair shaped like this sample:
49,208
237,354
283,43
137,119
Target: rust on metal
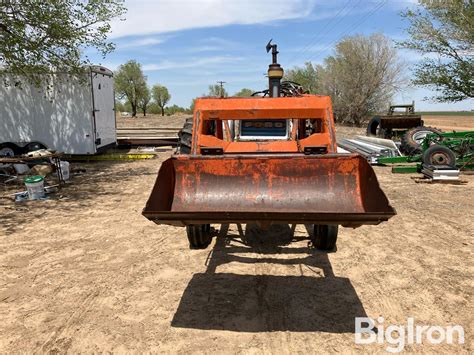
266,181
339,189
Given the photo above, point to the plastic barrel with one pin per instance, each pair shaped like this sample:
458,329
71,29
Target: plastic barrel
64,165
35,187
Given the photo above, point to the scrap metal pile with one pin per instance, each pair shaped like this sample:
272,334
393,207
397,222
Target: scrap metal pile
370,147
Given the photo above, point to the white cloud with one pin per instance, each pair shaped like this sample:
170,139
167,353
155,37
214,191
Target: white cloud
204,48
212,44
148,16
191,63
141,42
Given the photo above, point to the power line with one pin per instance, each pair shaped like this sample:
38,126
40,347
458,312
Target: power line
374,10
313,41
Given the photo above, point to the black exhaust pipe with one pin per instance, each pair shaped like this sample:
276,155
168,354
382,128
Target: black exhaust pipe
275,72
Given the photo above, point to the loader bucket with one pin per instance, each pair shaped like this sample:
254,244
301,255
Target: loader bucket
301,189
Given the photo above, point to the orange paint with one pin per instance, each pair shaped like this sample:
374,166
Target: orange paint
266,181
298,109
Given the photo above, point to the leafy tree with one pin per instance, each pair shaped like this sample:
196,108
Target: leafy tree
217,91
361,77
39,36
154,108
244,93
119,106
144,100
191,107
161,96
444,29
130,83
172,110
305,76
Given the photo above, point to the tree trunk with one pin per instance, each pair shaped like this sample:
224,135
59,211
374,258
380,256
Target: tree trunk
134,110
162,110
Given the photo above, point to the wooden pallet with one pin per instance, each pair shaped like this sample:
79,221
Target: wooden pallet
424,180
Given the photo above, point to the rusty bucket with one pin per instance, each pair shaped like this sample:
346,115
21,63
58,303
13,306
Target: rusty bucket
323,189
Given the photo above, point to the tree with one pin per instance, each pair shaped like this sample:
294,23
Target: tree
37,37
444,29
130,83
305,76
172,110
361,77
161,96
217,90
122,107
191,107
244,93
154,108
144,100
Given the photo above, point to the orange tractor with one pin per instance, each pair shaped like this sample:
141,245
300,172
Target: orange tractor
265,160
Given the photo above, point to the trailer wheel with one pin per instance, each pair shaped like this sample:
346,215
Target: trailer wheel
411,140
325,236
185,137
199,235
439,155
32,146
9,150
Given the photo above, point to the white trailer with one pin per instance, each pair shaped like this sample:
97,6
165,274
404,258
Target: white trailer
70,115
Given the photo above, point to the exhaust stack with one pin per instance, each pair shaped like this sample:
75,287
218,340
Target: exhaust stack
275,72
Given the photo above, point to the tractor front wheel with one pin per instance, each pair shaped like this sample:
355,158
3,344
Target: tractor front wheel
325,236
199,235
185,137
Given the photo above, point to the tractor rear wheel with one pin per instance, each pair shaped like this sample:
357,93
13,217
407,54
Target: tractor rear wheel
439,155
374,129
325,236
411,140
185,137
199,235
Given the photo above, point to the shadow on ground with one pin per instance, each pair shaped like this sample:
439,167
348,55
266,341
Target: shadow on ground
101,180
260,303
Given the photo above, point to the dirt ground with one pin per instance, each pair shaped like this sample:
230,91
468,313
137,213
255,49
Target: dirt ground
152,121
447,123
85,272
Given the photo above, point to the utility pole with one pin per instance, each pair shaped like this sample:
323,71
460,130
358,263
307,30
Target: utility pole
221,83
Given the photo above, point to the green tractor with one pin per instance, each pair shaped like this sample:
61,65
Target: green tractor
405,125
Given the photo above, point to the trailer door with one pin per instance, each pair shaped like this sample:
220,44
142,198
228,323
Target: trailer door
104,113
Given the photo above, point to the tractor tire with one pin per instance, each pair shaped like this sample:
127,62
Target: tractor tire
325,236
439,155
374,130
199,235
185,137
411,140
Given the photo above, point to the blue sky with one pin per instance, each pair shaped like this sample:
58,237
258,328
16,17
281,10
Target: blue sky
187,45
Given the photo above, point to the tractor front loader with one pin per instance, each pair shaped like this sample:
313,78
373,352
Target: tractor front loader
265,160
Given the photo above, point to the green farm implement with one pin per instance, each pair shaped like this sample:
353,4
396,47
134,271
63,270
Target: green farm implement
452,148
